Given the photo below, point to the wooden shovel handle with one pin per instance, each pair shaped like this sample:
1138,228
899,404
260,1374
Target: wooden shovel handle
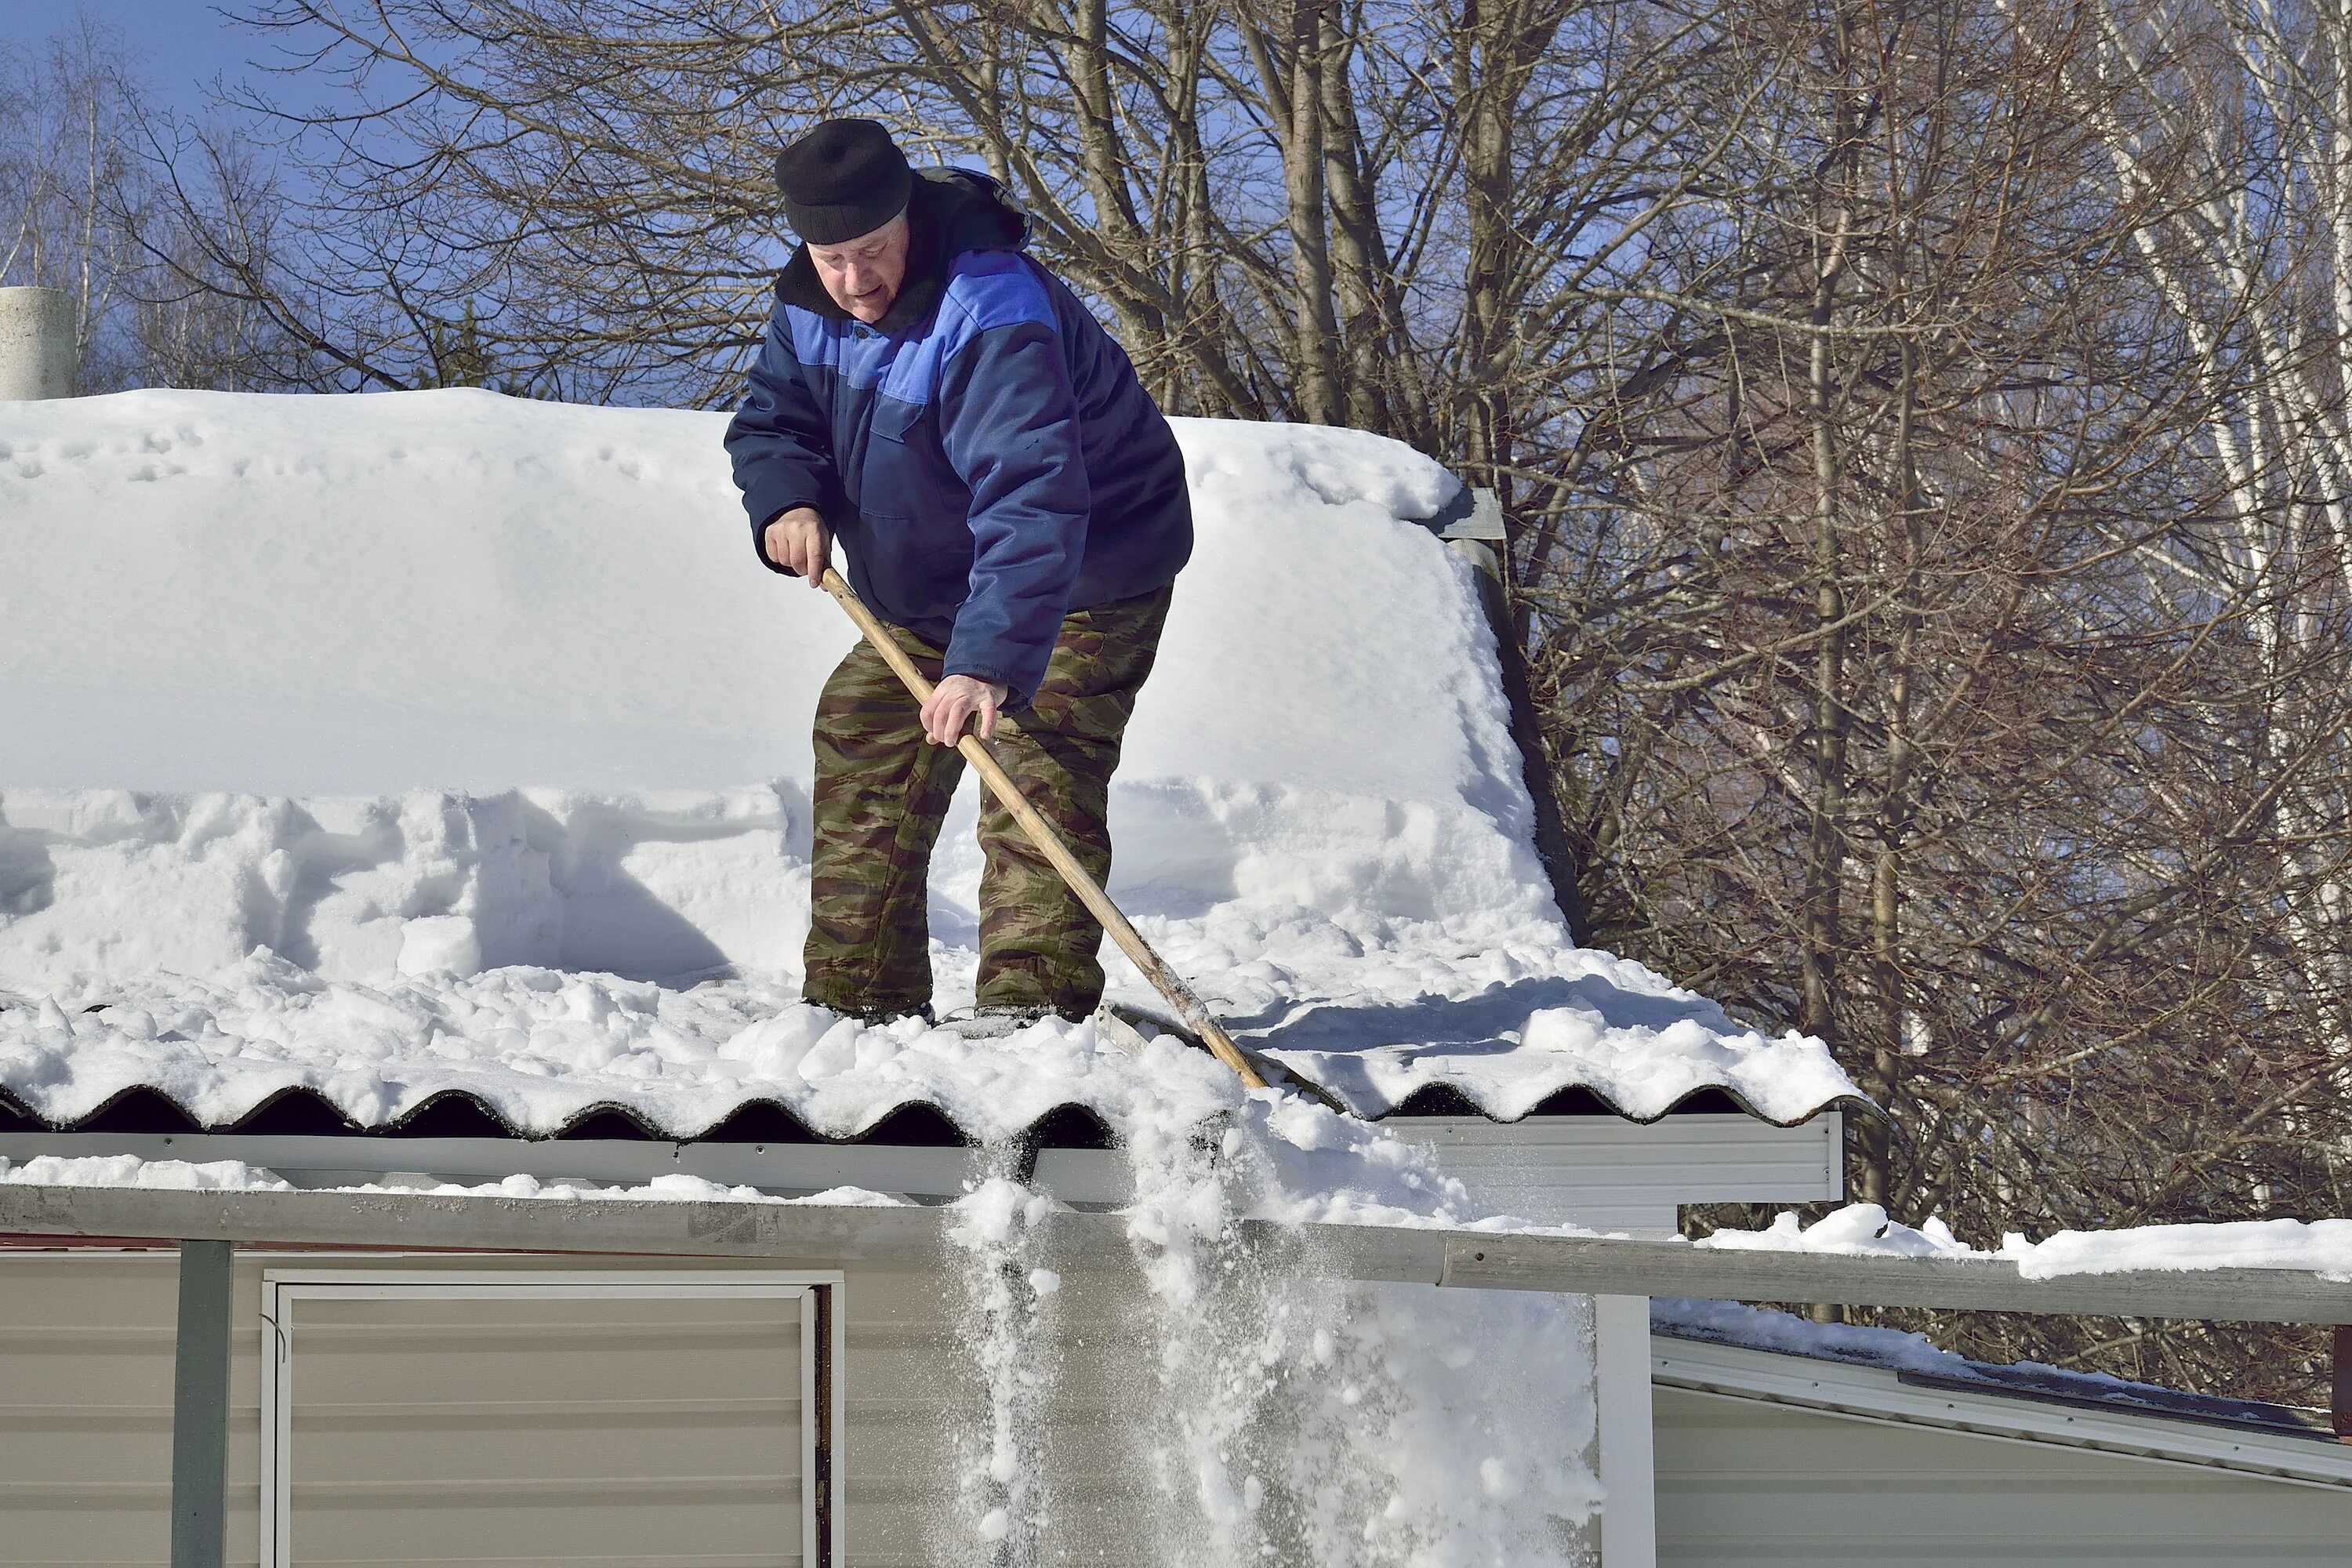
1049,844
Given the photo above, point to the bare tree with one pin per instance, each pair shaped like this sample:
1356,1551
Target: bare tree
1923,670
1923,434
81,210
65,161
1382,213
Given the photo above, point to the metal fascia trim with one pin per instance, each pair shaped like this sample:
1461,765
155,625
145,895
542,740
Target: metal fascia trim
1841,1388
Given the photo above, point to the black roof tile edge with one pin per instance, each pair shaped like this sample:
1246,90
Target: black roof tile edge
762,1119
2134,1399
1846,1104
296,1109
15,1116
610,1120
1069,1125
917,1121
1442,1099
137,1109
434,1116
914,1123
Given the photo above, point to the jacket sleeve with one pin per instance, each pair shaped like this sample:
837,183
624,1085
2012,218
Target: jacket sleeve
779,441
1009,421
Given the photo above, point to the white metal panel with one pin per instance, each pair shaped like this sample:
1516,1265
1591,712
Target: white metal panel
1593,1169
1621,1340
904,1382
1746,1481
314,1161
1597,1169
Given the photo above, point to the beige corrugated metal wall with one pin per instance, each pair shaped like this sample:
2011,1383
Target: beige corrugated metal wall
1745,1481
85,1345
638,1433
85,1410
85,1440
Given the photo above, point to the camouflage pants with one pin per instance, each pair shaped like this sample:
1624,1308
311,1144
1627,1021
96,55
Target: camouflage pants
882,789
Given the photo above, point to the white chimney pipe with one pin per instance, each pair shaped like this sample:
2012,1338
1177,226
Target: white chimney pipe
37,343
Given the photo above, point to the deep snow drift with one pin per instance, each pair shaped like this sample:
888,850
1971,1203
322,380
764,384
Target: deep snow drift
367,743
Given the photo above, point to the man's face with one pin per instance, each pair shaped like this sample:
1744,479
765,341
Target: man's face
862,275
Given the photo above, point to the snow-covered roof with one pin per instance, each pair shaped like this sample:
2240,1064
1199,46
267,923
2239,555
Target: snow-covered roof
440,756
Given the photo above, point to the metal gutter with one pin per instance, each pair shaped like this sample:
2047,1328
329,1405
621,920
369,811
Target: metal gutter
1073,1175
1878,1393
1996,1381
1601,1172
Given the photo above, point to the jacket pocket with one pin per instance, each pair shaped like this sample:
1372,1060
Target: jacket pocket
893,419
905,471
918,569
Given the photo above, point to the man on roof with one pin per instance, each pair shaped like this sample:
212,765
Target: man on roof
1011,503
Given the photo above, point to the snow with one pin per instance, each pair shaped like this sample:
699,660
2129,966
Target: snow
348,595
1289,1416
1005,1321
2323,1246
1857,1230
395,743
540,1047
131,1171
1863,1230
1759,1328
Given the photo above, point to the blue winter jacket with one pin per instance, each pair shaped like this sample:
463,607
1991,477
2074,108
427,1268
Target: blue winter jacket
985,453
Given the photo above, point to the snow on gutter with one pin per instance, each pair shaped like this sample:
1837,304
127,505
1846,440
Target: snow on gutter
735,1226
1863,1230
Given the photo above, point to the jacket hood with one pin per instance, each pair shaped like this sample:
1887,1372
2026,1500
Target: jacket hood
951,211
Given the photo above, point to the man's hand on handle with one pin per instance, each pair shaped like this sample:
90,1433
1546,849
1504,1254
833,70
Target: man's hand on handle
799,541
957,699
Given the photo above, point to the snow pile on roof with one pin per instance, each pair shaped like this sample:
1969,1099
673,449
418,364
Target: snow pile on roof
2322,1247
1761,1329
462,706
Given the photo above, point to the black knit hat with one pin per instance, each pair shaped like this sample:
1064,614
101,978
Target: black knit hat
843,179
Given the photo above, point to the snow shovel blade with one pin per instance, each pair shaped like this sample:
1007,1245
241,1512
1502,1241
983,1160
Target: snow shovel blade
1124,1025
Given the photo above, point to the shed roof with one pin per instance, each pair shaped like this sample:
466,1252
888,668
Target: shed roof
440,759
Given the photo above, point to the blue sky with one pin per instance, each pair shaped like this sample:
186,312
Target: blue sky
181,44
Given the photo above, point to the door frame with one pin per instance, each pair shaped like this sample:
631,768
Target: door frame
822,1341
